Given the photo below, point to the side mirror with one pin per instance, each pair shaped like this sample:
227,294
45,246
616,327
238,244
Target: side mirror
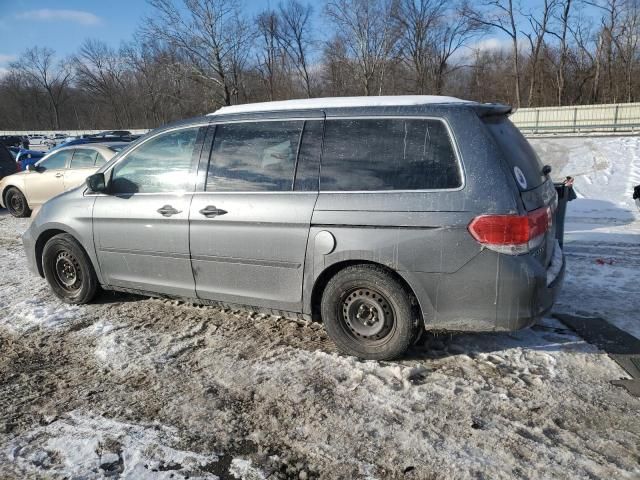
33,168
97,183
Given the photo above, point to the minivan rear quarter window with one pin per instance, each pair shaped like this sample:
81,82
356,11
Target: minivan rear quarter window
388,154
518,152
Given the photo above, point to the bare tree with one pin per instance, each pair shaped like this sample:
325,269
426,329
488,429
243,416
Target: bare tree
627,42
609,30
102,71
562,20
539,27
368,32
295,36
452,31
269,53
210,33
501,15
193,56
39,67
417,19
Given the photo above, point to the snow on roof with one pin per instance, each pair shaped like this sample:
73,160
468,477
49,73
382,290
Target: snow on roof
339,102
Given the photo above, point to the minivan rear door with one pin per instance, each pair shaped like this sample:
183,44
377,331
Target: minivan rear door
248,226
535,188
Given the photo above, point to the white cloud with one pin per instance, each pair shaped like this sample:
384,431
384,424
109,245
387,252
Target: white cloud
4,58
3,72
47,15
491,44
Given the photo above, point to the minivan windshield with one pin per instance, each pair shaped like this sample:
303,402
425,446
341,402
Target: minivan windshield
524,163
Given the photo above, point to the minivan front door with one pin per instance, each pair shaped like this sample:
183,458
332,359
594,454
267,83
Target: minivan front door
141,228
249,227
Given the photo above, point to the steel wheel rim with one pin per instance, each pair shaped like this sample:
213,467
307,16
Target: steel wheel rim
367,315
67,272
16,203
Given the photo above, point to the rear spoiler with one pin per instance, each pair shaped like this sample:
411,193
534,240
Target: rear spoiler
493,109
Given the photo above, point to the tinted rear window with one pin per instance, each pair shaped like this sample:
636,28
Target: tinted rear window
254,156
388,154
517,150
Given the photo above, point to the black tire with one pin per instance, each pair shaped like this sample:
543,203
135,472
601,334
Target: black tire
16,203
368,313
68,270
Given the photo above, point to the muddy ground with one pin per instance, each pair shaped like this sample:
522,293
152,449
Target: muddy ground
132,387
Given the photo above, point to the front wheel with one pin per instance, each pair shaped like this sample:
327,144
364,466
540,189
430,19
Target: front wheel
16,203
68,270
368,313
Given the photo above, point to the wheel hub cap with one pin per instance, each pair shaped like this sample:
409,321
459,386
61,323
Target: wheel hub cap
367,314
16,202
66,270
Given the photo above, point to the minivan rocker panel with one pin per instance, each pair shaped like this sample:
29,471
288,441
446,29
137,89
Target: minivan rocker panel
376,220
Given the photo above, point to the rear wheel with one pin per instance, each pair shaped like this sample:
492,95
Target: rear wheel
16,203
68,270
367,313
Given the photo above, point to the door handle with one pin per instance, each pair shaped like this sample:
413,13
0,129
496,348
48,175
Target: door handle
210,211
167,211
58,175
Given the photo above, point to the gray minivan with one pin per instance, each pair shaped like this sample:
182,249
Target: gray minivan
379,216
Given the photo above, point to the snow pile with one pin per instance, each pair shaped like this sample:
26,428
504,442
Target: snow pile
243,469
85,445
39,312
602,228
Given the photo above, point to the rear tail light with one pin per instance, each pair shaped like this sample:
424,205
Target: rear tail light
512,234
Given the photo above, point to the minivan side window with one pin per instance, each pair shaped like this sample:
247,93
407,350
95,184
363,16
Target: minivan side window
254,156
388,154
162,164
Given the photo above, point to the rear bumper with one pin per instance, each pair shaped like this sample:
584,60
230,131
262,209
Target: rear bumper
493,292
544,295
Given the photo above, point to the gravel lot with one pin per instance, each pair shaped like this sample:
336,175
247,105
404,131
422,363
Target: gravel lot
132,387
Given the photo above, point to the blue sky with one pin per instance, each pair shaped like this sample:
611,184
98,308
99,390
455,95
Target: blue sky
64,24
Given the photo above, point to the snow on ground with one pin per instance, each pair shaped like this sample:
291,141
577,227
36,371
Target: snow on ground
602,233
81,445
146,388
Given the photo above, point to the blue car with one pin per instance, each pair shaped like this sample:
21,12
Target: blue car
28,157
110,136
